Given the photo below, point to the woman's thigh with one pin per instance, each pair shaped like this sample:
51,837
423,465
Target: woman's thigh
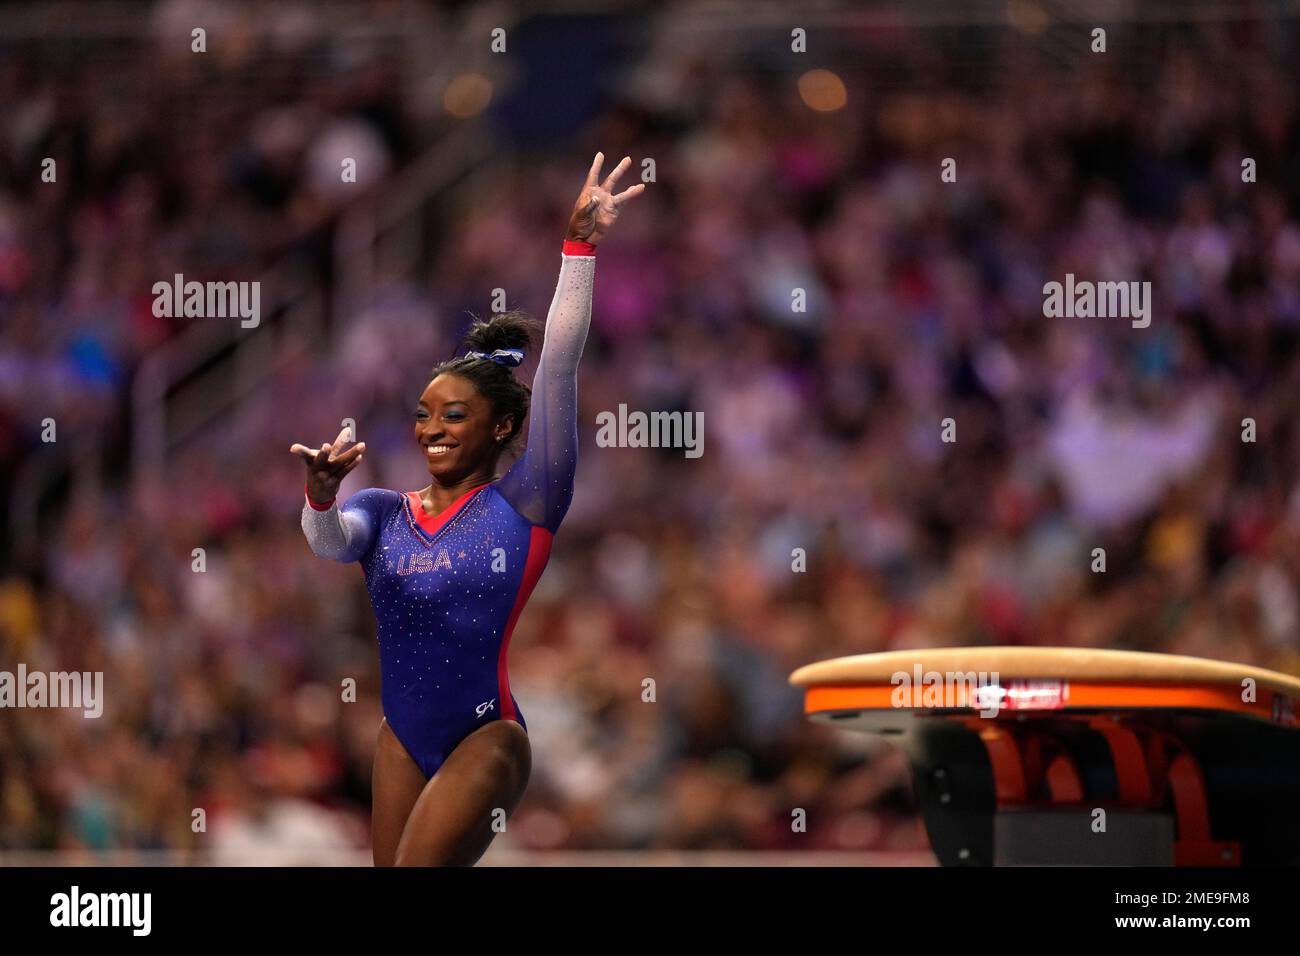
396,784
480,782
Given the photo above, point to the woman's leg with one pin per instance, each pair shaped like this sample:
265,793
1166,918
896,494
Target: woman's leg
451,823
396,783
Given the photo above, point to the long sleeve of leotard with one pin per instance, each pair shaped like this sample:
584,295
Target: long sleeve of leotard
347,533
540,484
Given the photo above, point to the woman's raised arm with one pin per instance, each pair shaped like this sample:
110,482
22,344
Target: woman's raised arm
540,485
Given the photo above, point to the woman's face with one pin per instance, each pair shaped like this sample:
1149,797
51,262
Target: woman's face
456,430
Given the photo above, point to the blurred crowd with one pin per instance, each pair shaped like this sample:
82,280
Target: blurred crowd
1174,447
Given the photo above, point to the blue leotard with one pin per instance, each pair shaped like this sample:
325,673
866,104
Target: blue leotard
448,589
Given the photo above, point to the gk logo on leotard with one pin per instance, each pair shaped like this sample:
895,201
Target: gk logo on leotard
484,707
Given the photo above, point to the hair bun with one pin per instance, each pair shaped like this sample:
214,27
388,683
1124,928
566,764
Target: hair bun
505,330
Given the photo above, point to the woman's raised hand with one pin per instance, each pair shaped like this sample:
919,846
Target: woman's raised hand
597,207
328,465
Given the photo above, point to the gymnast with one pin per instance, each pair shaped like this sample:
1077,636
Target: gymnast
449,568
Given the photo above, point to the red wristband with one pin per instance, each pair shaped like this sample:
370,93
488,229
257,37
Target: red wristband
576,247
325,507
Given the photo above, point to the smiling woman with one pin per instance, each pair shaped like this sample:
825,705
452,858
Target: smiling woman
450,567
474,407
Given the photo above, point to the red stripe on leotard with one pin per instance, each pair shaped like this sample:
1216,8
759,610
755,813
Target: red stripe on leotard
539,550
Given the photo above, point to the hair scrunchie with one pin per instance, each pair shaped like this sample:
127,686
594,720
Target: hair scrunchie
500,356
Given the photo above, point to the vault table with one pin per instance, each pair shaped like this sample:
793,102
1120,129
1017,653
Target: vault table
1069,756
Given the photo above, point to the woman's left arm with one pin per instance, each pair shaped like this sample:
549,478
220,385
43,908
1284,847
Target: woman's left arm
540,484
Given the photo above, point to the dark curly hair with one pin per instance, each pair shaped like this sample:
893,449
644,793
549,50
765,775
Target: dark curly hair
497,383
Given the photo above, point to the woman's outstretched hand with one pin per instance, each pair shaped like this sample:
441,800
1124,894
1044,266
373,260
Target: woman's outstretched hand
327,466
597,206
